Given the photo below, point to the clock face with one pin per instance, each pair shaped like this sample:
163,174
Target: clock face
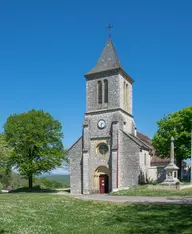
101,123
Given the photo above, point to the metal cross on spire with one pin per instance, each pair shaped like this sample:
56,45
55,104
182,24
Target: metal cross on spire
109,26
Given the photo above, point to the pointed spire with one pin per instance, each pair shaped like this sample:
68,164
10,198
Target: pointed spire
108,59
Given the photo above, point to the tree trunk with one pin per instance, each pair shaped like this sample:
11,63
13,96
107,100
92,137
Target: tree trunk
30,178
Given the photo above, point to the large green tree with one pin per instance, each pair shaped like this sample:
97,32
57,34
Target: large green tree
5,155
178,125
36,138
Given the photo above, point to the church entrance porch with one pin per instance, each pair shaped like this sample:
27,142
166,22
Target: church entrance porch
101,180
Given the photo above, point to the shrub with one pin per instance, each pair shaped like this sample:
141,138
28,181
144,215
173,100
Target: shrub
154,182
1,186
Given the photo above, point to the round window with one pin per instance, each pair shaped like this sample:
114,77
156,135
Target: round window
102,148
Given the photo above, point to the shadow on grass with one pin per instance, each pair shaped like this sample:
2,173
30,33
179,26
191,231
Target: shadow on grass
67,190
2,231
35,189
145,219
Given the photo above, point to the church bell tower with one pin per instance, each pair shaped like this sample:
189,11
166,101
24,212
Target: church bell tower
108,86
108,110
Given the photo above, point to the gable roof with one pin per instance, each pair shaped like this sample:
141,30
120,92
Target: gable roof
144,138
74,143
157,160
138,142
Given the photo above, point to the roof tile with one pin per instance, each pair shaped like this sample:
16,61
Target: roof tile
108,59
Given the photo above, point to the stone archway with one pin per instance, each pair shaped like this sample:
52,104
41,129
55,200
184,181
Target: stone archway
102,173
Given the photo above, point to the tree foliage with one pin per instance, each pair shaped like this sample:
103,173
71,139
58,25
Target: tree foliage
5,154
178,125
36,139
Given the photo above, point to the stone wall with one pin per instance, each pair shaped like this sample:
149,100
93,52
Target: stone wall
92,93
115,94
152,173
75,155
125,122
96,160
128,125
129,94
145,159
129,153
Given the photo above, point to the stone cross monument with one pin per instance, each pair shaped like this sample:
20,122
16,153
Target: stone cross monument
171,169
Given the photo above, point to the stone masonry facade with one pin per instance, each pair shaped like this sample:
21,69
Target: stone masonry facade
111,150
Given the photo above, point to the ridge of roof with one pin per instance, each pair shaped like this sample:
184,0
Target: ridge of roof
137,141
143,137
74,143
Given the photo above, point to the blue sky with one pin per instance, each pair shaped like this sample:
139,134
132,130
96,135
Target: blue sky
46,47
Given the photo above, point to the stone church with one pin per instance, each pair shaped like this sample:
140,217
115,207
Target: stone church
109,155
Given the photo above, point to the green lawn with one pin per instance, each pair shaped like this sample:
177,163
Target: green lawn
46,213
64,179
145,191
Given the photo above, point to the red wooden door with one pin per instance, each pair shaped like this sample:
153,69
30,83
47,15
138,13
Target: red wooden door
102,183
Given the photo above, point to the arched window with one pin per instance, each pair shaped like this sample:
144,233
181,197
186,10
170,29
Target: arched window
105,91
99,92
127,96
124,95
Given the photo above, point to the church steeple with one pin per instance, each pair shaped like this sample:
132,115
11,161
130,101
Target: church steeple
108,86
108,59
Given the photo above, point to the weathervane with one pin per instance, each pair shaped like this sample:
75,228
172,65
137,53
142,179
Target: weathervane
109,26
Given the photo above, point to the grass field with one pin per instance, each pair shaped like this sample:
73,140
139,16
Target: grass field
63,179
145,191
46,213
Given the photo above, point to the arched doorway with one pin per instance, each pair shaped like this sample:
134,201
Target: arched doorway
101,180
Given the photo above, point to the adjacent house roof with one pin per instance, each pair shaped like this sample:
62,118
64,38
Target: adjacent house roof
144,138
108,59
154,159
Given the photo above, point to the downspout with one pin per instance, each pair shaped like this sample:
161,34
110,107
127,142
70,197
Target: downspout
117,164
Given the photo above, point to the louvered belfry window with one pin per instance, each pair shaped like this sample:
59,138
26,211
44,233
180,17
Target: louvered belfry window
99,92
106,91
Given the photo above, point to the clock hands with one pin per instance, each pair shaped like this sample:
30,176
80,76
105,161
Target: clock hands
101,123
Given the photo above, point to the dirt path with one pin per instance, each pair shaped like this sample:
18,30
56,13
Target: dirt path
132,199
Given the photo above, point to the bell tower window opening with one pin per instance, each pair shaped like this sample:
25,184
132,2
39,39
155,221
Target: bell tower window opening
126,96
99,92
124,99
105,91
